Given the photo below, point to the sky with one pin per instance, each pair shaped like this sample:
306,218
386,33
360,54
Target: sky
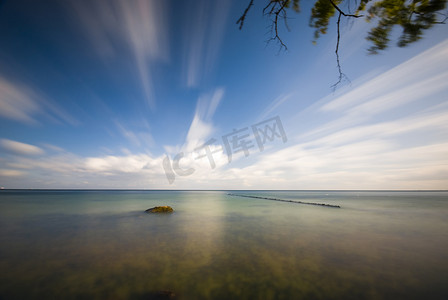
152,94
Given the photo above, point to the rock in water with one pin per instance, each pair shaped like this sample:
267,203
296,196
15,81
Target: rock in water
160,209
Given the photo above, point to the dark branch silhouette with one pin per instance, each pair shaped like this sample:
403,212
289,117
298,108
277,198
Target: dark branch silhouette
342,76
444,20
281,10
343,13
243,17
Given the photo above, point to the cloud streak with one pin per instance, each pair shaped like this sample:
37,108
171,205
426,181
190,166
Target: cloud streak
19,148
388,133
17,102
202,126
405,89
203,37
22,103
425,66
139,25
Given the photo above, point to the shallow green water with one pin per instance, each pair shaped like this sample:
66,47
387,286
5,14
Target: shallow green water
101,245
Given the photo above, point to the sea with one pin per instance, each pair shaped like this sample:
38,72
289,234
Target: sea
101,244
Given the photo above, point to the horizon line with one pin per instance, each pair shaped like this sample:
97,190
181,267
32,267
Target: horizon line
211,190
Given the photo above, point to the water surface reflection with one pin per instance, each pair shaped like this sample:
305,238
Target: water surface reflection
220,247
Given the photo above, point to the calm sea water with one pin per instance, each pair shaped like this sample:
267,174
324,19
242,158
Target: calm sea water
101,245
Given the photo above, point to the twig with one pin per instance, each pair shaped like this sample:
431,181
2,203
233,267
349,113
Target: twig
267,6
343,13
275,23
243,17
444,20
341,74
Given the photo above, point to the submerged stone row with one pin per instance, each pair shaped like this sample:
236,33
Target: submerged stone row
283,200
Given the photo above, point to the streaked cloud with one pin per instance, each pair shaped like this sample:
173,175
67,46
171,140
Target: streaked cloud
17,102
386,133
11,173
19,148
140,26
405,89
372,164
435,122
140,138
198,133
199,138
70,170
203,37
119,164
202,126
20,102
53,148
405,150
428,67
274,105
128,134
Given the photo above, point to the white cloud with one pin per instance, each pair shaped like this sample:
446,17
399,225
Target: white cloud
67,170
53,148
198,133
373,164
388,133
120,164
11,173
214,103
19,148
407,94
198,139
17,102
430,65
203,36
140,137
129,135
424,122
274,105
201,126
22,103
416,84
140,25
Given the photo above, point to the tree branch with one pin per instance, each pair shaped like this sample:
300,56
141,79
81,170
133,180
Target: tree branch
343,13
280,12
444,20
272,8
342,76
243,17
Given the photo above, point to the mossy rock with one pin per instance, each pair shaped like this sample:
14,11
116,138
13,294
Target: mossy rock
160,209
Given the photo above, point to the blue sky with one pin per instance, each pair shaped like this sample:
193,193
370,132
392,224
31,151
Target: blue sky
99,94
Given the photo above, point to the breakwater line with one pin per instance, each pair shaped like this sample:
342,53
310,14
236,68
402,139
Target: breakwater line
289,201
